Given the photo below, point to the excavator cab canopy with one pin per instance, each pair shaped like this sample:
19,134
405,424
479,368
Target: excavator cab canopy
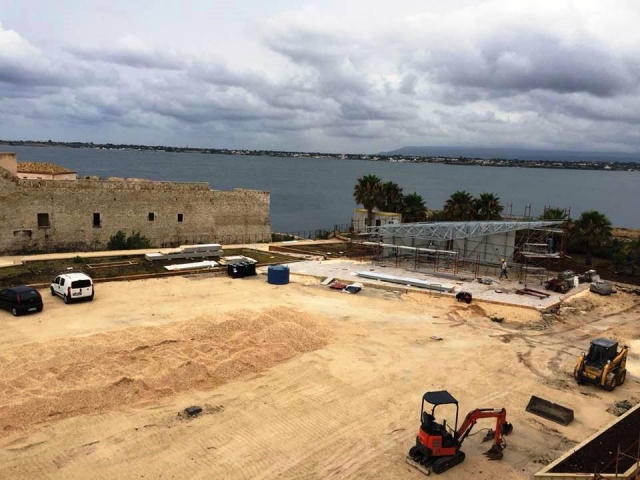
440,397
601,351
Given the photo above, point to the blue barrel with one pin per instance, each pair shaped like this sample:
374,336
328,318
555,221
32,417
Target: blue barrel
278,274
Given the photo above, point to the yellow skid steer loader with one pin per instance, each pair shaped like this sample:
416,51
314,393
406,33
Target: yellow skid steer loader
603,365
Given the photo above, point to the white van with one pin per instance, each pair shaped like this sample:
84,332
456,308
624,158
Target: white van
72,286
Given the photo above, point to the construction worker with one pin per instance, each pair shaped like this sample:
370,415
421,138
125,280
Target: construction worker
549,244
503,269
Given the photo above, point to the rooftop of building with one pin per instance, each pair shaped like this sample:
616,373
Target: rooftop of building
48,168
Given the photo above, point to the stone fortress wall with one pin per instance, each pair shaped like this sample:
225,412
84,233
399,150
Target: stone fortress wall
58,215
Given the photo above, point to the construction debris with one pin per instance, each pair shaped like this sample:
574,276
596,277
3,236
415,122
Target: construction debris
346,288
533,293
620,408
194,410
465,297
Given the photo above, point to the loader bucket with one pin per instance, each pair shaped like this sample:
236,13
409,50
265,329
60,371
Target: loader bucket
550,411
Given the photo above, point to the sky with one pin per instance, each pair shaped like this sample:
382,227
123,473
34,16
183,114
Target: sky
356,76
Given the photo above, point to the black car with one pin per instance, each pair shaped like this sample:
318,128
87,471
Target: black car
19,300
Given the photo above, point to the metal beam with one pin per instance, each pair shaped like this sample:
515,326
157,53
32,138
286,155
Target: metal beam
455,230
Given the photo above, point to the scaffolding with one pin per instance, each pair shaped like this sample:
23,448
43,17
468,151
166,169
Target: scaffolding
538,251
413,257
533,254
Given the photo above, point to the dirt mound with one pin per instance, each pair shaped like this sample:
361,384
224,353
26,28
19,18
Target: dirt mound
69,377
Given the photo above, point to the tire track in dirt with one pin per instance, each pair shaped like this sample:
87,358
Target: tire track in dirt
325,427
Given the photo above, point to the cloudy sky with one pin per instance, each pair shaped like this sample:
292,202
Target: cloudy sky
355,76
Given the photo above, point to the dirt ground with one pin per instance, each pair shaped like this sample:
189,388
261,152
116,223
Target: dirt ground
295,381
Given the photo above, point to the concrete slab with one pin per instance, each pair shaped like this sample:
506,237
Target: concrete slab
499,292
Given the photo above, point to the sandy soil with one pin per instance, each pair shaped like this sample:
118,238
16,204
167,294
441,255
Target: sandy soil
626,233
296,381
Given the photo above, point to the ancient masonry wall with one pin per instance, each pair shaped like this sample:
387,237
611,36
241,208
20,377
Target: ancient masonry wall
57,215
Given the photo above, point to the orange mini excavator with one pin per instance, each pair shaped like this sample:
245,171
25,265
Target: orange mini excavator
437,446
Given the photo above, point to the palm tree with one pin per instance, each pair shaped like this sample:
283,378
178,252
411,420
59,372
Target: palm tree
414,209
592,231
554,213
391,198
367,192
459,207
488,207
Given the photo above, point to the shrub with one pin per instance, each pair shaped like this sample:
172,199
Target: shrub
136,241
120,241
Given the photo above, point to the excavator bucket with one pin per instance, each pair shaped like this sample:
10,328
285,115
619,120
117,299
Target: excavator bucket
507,428
495,452
550,411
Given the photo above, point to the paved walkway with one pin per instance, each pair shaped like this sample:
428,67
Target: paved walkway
8,261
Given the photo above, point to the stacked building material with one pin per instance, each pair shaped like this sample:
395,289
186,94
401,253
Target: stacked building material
188,251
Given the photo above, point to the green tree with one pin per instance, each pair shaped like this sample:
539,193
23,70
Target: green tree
391,198
591,231
554,213
368,192
488,207
459,207
413,209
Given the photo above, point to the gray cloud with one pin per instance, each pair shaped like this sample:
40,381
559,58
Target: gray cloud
129,57
27,70
525,61
488,74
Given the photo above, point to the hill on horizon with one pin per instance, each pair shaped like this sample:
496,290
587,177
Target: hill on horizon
512,153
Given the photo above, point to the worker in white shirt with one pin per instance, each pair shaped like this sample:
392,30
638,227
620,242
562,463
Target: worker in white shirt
503,269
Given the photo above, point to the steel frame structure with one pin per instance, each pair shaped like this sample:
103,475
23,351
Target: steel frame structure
456,230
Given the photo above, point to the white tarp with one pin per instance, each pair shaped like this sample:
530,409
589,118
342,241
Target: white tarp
192,266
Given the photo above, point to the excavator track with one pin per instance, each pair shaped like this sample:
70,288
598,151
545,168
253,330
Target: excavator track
419,460
418,466
428,464
443,464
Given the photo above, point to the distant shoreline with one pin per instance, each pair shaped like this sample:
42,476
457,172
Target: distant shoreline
461,161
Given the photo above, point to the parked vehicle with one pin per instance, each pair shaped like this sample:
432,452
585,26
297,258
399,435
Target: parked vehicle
72,286
20,300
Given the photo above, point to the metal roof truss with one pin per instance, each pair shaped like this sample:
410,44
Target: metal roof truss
455,230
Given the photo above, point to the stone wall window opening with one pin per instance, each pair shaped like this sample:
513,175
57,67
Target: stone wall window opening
180,218
152,216
43,220
97,221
